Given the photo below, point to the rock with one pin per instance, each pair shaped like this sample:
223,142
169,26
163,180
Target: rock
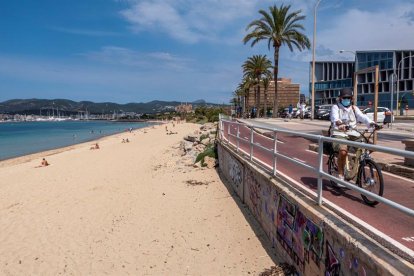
210,162
205,141
181,152
207,126
188,146
191,138
197,165
199,148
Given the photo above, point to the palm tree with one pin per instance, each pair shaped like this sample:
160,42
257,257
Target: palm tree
266,83
255,67
279,27
245,86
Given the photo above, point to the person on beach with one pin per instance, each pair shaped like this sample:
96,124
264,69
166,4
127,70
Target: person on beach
94,147
44,163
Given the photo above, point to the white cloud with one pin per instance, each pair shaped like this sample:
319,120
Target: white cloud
140,60
189,21
366,30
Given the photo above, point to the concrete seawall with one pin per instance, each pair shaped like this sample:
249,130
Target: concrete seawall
311,238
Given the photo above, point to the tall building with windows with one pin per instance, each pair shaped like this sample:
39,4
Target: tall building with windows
331,76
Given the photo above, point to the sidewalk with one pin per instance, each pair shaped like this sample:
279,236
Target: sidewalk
388,138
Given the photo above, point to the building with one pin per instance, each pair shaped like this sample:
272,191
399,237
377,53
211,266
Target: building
184,108
331,76
288,93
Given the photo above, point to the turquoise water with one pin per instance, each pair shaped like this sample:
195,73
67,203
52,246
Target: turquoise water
22,138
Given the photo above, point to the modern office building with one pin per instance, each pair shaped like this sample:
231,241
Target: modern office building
331,76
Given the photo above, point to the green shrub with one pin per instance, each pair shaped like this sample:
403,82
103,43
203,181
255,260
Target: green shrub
204,136
209,151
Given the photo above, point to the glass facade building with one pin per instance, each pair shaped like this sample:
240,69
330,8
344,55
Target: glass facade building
329,79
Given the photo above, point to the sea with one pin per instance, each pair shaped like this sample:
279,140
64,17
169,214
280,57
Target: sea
22,138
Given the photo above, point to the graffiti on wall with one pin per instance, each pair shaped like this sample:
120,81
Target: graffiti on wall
300,237
332,264
235,172
254,189
340,262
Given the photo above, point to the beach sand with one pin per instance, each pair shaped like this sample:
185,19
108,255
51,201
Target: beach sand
125,209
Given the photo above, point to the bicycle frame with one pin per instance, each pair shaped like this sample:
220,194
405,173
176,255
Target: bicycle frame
360,155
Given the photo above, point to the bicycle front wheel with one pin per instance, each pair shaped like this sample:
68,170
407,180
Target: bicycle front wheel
370,179
333,168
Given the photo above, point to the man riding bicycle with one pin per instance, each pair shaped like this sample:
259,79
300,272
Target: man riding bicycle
344,117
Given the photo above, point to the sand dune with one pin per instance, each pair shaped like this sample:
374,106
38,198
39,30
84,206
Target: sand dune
125,209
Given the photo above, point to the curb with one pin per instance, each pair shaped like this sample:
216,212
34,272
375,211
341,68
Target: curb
386,167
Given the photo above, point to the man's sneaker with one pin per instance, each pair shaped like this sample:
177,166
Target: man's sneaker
339,185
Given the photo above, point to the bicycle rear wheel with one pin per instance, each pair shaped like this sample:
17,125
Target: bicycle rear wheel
370,178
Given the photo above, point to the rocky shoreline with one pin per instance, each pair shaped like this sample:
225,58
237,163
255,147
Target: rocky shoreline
199,142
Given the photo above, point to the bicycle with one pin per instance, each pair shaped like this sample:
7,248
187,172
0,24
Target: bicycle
362,167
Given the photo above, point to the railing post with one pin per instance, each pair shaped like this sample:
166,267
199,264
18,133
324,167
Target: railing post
221,128
320,170
251,143
238,137
228,132
274,152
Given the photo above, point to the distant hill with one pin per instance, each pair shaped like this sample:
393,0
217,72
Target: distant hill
36,106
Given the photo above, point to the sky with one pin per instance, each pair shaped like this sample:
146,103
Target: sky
183,50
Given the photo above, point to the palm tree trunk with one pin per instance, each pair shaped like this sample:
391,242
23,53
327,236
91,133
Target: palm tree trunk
265,103
258,100
275,75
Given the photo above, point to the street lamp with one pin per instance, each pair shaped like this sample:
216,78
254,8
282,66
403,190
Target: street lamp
355,73
313,59
398,79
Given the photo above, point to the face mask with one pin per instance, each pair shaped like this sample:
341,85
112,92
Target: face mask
346,102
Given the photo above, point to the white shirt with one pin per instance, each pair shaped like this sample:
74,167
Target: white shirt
303,107
349,116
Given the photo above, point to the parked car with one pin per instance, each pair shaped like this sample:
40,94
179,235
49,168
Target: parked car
380,113
323,112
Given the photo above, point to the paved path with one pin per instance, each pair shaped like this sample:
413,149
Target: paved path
393,223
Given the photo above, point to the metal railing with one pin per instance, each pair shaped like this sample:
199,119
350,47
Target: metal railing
321,174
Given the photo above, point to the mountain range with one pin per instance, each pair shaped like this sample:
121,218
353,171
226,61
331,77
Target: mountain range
67,107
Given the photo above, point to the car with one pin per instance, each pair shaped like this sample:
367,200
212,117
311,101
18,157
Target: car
323,112
380,113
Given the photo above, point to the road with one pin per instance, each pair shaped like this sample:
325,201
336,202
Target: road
391,222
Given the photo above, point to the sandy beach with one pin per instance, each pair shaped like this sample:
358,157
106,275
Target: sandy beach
125,209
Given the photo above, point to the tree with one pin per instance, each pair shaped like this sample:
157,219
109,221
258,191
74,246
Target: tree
245,86
266,83
279,27
254,68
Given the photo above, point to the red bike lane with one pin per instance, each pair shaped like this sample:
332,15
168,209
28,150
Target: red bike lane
388,220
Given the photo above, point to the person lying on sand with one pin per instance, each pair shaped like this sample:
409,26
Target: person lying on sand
44,163
96,146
